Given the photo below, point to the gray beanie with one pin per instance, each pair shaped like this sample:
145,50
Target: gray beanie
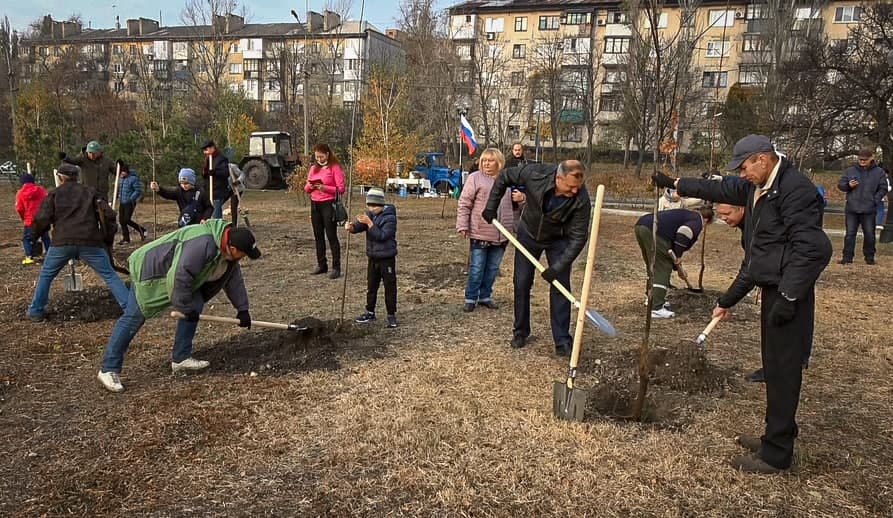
375,196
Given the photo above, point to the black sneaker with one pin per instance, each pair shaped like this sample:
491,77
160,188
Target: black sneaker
518,341
749,442
869,261
365,317
392,321
754,464
489,304
845,261
468,307
563,350
335,273
319,269
757,376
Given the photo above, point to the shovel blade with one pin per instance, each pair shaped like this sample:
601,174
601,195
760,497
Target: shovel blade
73,282
568,404
601,323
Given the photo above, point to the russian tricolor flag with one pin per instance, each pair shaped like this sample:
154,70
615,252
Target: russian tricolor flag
468,135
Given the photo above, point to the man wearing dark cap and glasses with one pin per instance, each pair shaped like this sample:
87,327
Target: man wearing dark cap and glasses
184,270
785,252
865,185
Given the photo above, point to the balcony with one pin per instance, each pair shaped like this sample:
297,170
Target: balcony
162,75
756,26
252,74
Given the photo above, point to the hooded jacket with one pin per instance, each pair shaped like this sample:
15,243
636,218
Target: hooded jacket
381,237
130,189
568,221
865,197
71,209
785,244
28,201
173,269
220,173
95,173
474,197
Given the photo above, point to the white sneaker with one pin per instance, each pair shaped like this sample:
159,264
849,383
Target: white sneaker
111,381
189,364
662,313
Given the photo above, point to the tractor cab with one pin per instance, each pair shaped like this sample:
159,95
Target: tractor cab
270,159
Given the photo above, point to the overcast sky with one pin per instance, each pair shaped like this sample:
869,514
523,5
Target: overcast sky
101,13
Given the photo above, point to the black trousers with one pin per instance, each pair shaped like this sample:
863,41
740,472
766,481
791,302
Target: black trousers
783,349
525,272
234,209
322,217
125,219
382,270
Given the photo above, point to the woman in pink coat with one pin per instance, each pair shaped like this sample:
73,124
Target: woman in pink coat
325,181
486,242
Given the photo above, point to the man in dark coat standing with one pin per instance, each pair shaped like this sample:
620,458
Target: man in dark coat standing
786,251
865,185
555,221
216,174
95,168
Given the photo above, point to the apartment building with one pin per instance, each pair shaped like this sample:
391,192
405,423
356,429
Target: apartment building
730,50
270,62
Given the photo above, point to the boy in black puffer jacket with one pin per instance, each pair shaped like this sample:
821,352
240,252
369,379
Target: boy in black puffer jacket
380,224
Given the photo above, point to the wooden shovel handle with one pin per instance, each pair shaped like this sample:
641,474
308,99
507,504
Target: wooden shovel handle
587,278
228,320
710,326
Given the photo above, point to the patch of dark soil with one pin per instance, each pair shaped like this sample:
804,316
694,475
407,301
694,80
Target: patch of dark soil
440,276
277,352
91,305
6,388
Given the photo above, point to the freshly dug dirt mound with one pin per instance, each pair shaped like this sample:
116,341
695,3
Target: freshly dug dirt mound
91,305
276,352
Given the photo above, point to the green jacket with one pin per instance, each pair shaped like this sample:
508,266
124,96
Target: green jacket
174,269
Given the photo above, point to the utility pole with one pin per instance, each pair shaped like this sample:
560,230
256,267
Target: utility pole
305,73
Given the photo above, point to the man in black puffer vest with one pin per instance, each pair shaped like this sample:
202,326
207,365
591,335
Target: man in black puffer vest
555,221
786,251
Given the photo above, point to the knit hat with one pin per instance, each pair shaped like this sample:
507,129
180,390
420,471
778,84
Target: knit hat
375,196
27,178
93,147
243,240
186,175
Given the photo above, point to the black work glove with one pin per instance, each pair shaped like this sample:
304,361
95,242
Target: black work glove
663,181
489,215
550,274
782,311
190,316
244,318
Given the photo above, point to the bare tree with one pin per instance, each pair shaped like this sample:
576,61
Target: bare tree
546,86
9,54
209,22
490,62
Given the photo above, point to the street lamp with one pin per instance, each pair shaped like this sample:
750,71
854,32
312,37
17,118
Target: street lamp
306,80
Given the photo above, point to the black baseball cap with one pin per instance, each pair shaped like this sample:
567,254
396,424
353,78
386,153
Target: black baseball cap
243,240
208,143
746,147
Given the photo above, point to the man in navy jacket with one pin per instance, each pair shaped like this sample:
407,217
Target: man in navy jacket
865,185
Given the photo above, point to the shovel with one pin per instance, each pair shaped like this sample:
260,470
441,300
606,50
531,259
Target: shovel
569,402
680,271
592,316
258,323
73,281
702,338
242,211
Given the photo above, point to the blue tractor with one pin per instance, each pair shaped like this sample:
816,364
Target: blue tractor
433,166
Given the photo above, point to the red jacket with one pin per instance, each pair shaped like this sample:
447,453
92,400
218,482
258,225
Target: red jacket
28,200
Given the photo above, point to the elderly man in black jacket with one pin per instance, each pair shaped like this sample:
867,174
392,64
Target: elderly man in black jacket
555,221
786,251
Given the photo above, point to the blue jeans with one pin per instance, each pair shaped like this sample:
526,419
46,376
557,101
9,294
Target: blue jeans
57,258
130,323
482,269
559,307
853,222
26,242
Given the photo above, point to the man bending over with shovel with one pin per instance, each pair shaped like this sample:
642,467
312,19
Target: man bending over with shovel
183,269
73,209
555,221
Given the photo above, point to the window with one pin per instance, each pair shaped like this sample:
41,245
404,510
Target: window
119,86
715,80
661,21
117,68
848,14
573,134
467,18
117,50
520,24
615,77
43,51
616,17
494,51
616,45
134,50
252,65
462,52
494,25
354,64
235,68
514,105
519,51
160,65
250,45
756,12
576,19
806,13
233,48
57,51
517,78
718,48
687,18
514,132
721,18
751,75
549,23
576,45
753,43
611,103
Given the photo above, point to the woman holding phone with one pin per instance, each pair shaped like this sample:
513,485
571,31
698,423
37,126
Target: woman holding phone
325,182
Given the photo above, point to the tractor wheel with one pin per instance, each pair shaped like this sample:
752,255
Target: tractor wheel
257,174
443,187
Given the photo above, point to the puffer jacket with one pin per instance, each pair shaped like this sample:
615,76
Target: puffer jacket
28,201
95,173
865,197
71,209
130,189
471,204
569,221
785,247
381,237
